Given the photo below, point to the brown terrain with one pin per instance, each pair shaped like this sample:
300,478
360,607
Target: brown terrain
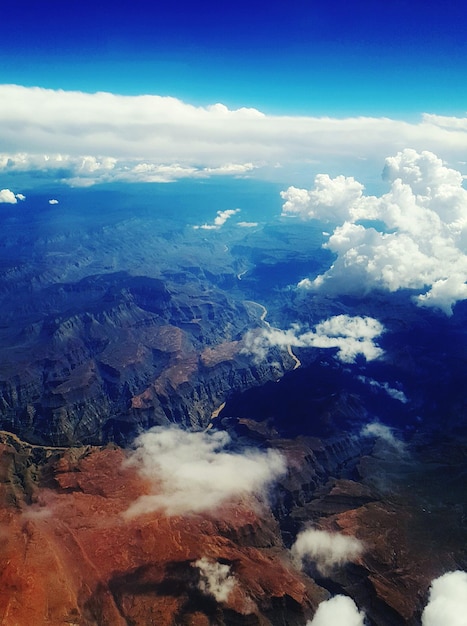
71,556
112,327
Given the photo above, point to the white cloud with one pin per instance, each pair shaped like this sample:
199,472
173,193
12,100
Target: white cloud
330,199
247,224
215,579
191,472
391,391
381,431
338,611
326,550
220,220
447,605
8,197
84,171
422,247
350,335
53,201
171,139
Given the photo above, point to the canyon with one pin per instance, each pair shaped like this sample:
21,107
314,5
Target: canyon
117,322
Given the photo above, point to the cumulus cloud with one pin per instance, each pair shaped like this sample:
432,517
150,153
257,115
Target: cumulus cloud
350,335
8,197
150,137
421,246
338,611
192,472
220,220
447,605
326,550
53,201
215,579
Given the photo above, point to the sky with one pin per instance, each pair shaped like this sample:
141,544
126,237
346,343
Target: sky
133,92
306,57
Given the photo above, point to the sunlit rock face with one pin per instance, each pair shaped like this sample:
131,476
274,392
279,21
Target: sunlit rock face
69,553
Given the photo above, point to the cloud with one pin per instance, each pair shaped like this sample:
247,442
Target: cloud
149,137
247,224
220,220
381,431
447,605
215,579
84,171
338,611
422,244
53,201
326,550
191,472
391,391
350,335
8,197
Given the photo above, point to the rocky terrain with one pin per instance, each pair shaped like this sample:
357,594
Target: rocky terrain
113,323
70,555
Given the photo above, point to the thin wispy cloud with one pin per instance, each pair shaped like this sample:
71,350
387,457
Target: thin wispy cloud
397,394
381,431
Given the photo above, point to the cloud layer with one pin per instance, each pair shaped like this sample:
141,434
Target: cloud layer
350,335
326,550
192,472
447,603
338,611
82,138
421,246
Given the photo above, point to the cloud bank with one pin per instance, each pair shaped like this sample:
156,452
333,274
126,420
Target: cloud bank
326,550
422,244
447,604
83,138
215,579
191,472
350,335
338,611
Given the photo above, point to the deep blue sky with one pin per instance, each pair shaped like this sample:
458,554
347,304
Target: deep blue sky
392,58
